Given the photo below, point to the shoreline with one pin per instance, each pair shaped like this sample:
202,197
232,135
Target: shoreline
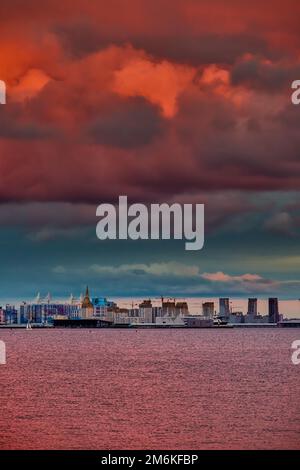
149,327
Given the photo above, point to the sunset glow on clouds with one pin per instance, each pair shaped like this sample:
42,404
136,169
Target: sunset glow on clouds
120,90
163,100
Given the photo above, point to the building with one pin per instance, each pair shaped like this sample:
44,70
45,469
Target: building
182,309
252,316
2,315
224,308
273,310
117,315
146,312
168,308
172,310
208,310
252,307
157,312
10,315
236,318
44,312
168,321
87,308
101,306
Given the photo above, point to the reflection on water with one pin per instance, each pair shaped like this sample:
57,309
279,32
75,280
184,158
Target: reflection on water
149,389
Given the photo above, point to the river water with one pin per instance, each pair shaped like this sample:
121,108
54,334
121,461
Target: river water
150,389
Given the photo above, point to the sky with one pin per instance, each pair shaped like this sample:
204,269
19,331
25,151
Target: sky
162,101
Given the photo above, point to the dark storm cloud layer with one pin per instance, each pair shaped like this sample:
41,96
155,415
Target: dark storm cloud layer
82,38
154,100
129,147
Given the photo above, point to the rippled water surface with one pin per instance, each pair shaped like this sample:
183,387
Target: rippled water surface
149,389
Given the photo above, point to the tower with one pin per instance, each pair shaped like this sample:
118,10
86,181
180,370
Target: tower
273,310
87,308
224,307
252,307
208,309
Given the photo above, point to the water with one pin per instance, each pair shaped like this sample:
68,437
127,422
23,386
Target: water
149,389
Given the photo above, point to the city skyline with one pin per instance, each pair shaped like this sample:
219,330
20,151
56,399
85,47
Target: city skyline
46,311
256,305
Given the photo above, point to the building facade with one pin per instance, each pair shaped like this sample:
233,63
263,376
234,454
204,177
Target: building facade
273,310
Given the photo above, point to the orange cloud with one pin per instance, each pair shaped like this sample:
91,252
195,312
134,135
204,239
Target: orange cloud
160,83
29,85
222,277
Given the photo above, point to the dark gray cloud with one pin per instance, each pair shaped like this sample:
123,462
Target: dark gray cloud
14,126
205,48
269,77
127,124
84,37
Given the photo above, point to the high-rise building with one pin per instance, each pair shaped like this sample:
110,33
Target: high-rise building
208,309
224,307
252,307
181,308
168,308
145,311
273,310
2,315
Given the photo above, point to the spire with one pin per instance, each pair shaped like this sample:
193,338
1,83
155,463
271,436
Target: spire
87,301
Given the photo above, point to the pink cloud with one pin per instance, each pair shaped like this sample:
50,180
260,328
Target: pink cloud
222,277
